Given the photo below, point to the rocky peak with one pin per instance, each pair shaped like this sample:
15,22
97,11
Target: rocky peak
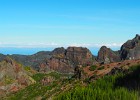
130,44
131,49
106,55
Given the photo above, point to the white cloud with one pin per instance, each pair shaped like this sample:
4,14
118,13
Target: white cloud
109,45
28,45
46,45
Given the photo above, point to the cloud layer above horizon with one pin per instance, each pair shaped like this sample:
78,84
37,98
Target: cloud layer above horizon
55,45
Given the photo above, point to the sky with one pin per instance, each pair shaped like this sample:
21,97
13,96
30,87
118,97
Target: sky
54,23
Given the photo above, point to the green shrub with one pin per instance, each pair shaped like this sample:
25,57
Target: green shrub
55,75
92,68
100,68
37,77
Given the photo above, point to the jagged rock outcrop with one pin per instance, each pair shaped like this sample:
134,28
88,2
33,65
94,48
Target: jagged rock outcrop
131,49
12,76
106,55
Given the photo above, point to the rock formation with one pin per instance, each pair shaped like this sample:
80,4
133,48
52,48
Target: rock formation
131,49
106,55
79,55
65,61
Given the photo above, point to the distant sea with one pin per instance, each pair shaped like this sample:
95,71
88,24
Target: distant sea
30,51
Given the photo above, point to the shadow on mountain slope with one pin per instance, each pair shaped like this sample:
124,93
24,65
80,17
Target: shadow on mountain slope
131,80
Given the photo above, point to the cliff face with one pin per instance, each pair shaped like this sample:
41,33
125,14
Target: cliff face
79,55
106,55
131,49
64,61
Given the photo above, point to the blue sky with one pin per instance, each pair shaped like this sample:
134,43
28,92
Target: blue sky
54,23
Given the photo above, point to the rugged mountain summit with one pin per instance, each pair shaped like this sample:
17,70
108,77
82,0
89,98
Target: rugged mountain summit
131,49
106,55
65,60
79,55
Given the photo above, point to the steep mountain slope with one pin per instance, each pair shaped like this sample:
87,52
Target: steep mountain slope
13,77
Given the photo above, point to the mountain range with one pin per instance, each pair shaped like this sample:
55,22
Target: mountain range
65,60
20,71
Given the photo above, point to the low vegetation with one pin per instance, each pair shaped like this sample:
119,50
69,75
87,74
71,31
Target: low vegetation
38,89
92,68
101,68
111,87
